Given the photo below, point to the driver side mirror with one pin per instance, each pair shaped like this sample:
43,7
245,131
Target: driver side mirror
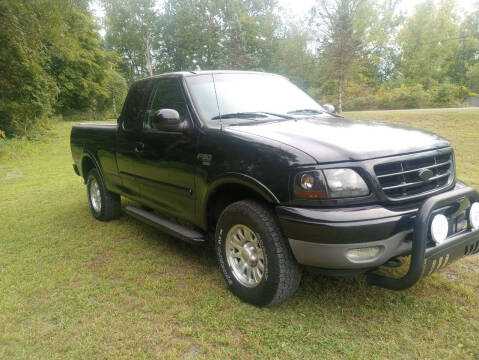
329,108
166,120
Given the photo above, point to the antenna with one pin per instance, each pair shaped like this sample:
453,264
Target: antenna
217,102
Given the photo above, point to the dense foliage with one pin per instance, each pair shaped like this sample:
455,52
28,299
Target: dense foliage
358,54
427,59
52,60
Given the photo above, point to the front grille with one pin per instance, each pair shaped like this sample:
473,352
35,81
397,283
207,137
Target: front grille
400,179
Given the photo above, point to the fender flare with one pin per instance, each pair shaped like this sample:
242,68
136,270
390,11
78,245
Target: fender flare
239,179
89,155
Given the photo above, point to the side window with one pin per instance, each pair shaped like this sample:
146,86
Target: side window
168,95
135,105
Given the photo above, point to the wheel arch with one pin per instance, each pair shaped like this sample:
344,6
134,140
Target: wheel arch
89,162
230,188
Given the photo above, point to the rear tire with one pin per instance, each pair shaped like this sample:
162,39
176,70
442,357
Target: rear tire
254,256
104,205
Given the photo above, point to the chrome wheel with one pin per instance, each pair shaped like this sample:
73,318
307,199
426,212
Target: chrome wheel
245,255
95,195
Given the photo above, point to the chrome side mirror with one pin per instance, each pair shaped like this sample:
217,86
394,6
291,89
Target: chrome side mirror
329,108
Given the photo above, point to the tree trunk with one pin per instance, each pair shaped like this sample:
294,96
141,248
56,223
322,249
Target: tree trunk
340,96
114,106
25,126
149,63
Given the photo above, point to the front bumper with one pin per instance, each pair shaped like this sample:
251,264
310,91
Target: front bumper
322,237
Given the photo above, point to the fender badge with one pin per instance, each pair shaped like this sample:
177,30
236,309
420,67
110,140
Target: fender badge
205,159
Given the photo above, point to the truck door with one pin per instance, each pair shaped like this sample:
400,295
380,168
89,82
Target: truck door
168,160
129,145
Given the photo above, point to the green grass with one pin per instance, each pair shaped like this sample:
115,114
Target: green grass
73,287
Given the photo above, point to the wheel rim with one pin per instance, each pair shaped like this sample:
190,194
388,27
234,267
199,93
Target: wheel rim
245,255
95,195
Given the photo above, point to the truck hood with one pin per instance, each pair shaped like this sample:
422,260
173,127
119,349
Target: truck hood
330,139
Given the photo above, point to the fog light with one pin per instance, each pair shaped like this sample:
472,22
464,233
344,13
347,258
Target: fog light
439,228
474,215
363,254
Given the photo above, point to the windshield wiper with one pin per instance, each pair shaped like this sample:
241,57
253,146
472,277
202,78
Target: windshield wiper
239,115
250,115
306,111
284,116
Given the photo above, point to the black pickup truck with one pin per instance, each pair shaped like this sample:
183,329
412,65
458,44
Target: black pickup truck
282,182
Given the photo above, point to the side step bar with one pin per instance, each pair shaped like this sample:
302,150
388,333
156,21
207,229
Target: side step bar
182,232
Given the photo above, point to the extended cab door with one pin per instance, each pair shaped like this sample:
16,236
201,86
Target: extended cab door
128,144
168,160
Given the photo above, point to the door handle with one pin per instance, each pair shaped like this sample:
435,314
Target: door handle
139,147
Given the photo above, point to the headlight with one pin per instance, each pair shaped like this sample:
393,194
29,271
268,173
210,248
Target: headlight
330,183
307,181
345,183
310,185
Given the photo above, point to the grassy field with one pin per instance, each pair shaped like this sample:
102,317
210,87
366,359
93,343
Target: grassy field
73,287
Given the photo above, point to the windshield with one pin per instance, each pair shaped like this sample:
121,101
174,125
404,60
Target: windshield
240,96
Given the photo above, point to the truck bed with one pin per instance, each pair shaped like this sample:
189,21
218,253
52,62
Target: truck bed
98,140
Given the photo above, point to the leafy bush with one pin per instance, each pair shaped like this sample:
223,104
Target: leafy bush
361,97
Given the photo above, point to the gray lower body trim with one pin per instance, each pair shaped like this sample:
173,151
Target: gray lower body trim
333,256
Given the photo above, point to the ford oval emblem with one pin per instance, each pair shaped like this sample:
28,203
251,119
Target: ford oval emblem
425,174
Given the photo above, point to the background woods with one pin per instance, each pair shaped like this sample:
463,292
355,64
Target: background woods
357,54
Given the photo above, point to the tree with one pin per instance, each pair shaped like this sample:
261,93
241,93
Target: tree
380,54
249,28
428,42
293,59
51,59
340,37
191,34
131,30
28,91
117,89
235,34
78,63
465,58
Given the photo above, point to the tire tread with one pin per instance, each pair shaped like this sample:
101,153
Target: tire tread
290,271
111,202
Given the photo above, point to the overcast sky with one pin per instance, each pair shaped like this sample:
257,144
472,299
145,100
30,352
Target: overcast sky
300,8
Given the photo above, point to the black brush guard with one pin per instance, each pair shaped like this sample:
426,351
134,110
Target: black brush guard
425,261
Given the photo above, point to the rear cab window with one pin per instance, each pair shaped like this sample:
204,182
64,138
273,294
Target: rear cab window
136,104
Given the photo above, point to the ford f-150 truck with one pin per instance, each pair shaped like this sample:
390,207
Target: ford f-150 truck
282,182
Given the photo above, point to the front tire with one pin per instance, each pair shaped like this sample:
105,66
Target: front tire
254,256
104,205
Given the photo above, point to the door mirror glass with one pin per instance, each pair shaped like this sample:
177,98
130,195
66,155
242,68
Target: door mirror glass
166,119
329,108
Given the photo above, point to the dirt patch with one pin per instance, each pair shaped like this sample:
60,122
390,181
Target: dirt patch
12,175
98,261
450,276
193,352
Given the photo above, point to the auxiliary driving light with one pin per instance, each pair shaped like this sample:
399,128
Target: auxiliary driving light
474,215
439,228
363,254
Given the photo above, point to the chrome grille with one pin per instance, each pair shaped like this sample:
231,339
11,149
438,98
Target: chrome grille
401,179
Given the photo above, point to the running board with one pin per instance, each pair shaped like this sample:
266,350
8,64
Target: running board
182,232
